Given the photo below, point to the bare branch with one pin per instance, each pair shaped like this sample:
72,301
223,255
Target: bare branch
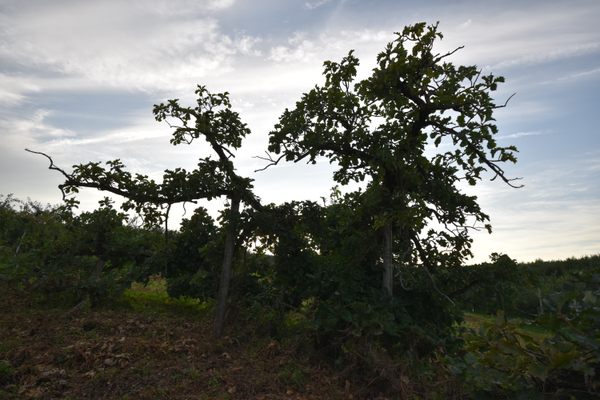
52,166
498,171
167,221
231,155
439,57
183,204
508,181
269,158
506,102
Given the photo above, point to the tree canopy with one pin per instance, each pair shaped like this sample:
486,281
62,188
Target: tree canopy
413,129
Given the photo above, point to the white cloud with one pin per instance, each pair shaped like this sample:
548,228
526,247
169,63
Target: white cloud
183,7
312,5
550,230
499,41
590,72
298,49
515,37
556,214
466,24
592,164
517,135
542,55
13,89
34,128
573,76
122,44
247,45
518,111
331,44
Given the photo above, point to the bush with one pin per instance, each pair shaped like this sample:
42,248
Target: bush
49,251
326,271
502,361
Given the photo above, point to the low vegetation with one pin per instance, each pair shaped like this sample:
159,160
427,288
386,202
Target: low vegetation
66,333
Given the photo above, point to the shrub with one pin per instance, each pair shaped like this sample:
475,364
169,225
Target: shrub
502,361
49,251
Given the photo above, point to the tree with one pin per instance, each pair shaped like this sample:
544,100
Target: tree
377,130
213,120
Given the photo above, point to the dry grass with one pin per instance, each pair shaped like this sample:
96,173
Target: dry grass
149,348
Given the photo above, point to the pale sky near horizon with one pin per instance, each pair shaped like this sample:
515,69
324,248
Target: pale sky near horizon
78,80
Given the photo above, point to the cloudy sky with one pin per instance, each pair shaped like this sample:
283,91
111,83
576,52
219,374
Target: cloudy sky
78,80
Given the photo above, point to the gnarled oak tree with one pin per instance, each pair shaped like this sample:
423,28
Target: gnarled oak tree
413,129
211,119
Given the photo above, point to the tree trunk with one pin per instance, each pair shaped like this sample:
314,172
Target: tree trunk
388,268
230,233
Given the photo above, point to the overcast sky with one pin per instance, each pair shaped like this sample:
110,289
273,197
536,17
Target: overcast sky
78,80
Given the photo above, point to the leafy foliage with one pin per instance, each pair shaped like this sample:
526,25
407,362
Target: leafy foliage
212,120
50,251
502,361
410,220
193,258
524,290
377,129
487,287
325,267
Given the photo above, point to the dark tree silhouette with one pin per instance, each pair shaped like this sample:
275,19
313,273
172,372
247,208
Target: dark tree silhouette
213,120
378,129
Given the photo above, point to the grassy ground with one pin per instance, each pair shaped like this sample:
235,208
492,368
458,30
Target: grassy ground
149,347
473,320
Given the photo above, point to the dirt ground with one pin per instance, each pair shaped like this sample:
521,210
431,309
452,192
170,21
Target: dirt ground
122,353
